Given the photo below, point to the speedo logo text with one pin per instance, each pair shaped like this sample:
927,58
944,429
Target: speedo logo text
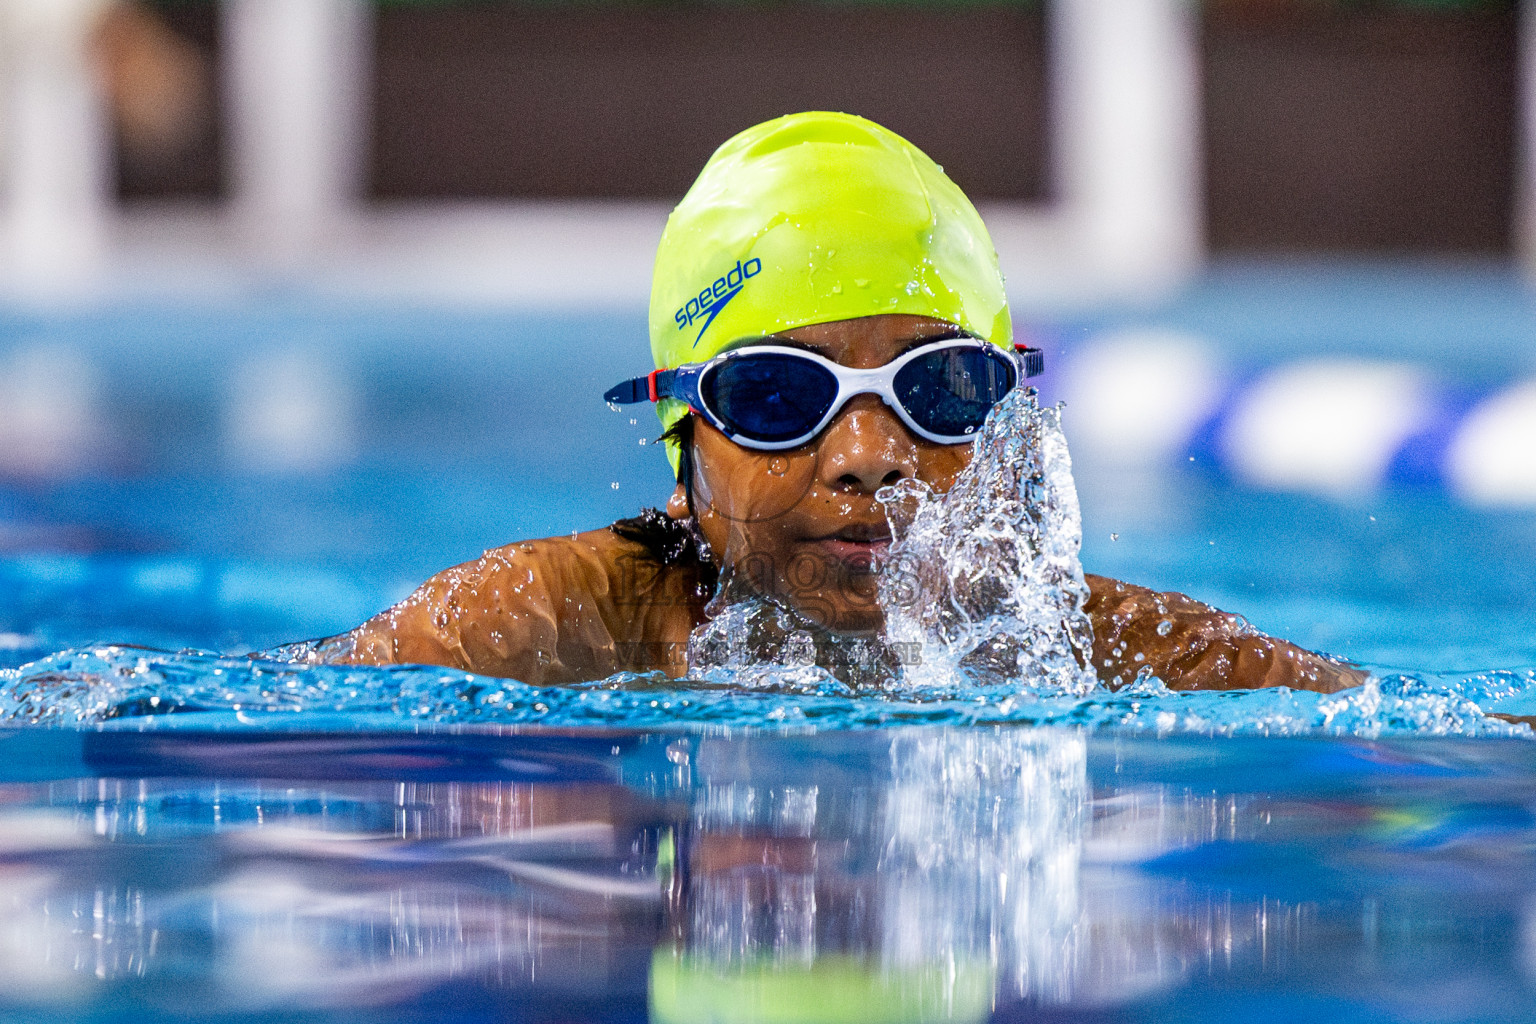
709,302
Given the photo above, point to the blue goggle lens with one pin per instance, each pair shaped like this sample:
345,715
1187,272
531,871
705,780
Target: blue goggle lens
769,396
950,392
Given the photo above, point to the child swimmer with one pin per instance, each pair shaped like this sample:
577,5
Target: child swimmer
827,318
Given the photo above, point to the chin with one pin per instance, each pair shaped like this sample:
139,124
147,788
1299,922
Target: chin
851,621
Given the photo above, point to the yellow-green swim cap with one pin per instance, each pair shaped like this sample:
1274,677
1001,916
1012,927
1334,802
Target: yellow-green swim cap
811,218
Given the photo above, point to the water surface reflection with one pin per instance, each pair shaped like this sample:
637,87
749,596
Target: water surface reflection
904,875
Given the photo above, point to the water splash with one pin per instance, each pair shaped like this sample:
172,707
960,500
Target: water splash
137,688
982,589
749,641
985,580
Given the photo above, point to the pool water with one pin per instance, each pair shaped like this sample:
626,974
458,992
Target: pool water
192,833
895,874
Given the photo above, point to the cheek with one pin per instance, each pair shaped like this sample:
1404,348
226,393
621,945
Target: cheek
939,464
749,488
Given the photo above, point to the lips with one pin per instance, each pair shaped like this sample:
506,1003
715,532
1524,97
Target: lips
861,533
857,544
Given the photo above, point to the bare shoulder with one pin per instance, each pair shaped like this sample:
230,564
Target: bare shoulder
518,579
1191,646
557,609
477,615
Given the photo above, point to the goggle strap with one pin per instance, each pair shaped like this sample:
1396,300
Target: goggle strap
629,392
1031,359
653,387
661,384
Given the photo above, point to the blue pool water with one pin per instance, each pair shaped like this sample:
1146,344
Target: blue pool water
911,874
214,836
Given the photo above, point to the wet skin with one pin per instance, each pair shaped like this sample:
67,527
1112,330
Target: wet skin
803,525
800,525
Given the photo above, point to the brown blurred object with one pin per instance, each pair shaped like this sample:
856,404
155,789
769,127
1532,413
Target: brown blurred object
1235,11
158,67
1257,11
718,853
627,101
1359,128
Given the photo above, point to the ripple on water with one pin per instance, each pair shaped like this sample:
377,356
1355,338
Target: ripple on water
133,687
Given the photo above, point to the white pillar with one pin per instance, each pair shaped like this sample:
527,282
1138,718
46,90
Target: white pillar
1523,229
54,173
296,86
1126,120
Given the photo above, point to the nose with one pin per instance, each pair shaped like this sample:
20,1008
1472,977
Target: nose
865,448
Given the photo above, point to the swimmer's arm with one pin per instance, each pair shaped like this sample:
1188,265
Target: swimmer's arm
1192,646
558,610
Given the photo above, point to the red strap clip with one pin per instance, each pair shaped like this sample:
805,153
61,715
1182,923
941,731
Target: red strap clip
650,381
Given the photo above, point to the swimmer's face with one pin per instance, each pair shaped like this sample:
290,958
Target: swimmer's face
803,525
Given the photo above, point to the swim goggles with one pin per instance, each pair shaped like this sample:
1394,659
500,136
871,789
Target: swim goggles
771,397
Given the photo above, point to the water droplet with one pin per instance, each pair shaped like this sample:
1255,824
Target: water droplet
861,282
614,406
1114,536
1371,518
644,441
1191,458
614,485
778,466
1211,543
837,288
1165,627
633,421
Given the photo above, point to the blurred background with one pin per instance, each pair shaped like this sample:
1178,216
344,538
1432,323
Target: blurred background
301,300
